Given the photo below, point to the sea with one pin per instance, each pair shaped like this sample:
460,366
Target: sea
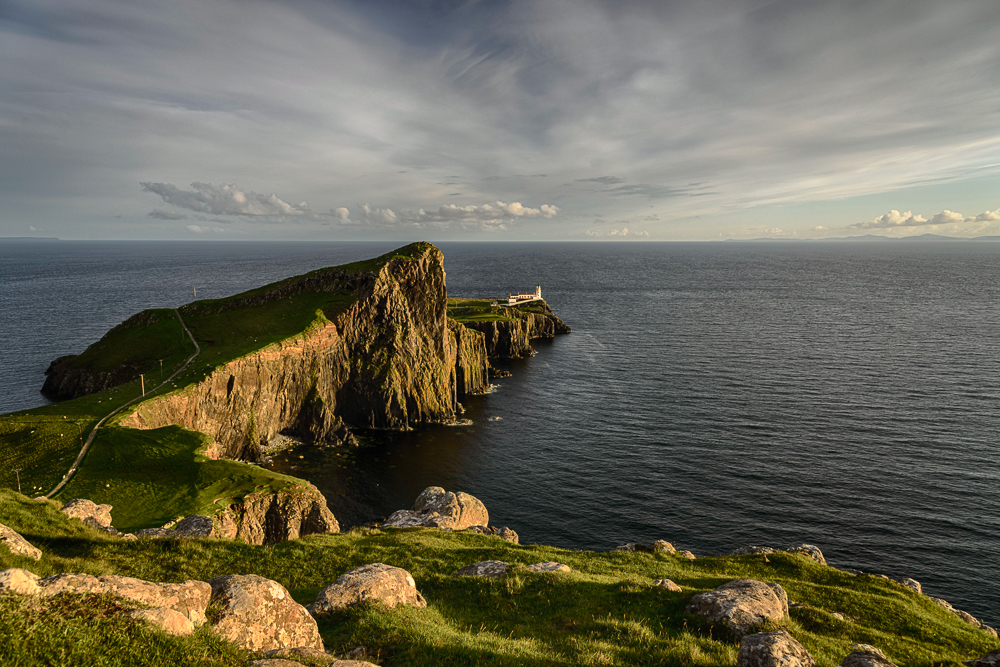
714,395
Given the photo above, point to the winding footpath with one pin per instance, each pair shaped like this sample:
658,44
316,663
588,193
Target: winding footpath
90,439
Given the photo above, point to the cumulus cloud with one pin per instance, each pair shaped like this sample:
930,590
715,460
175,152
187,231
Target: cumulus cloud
624,231
892,219
819,228
988,216
489,215
946,217
198,229
157,214
224,200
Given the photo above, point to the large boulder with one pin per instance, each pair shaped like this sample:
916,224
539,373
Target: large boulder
375,582
18,581
742,604
991,659
258,614
668,584
492,569
773,649
17,544
189,598
170,621
504,533
195,525
89,512
438,508
863,655
296,657
810,550
549,566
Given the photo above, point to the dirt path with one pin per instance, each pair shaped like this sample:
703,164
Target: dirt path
90,438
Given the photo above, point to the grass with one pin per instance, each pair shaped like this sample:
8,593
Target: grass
479,310
608,614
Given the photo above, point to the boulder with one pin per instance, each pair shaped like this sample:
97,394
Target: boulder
17,581
865,655
912,584
773,649
668,584
663,547
17,544
504,533
494,569
189,598
753,549
991,659
84,509
685,554
550,567
195,525
658,547
964,615
376,582
303,654
809,550
154,533
258,614
435,507
741,604
275,662
170,621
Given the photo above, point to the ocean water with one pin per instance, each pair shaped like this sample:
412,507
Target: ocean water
713,395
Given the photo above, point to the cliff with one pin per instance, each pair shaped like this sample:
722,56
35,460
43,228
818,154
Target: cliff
508,330
269,518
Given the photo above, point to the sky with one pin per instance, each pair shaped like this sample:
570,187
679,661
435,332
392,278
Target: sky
582,120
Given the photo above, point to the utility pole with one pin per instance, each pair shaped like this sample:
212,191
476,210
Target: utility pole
196,292
17,471
142,382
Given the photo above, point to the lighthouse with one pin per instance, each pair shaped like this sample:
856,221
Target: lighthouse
538,291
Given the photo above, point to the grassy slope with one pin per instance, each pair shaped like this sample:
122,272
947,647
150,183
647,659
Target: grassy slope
608,614
480,310
154,476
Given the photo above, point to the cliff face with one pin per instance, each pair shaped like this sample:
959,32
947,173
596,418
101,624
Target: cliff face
389,361
269,518
510,339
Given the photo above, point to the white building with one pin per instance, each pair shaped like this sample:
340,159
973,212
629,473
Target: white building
515,299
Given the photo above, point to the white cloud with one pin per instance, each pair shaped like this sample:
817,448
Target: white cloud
819,228
946,217
988,216
197,229
624,231
224,200
157,214
490,216
593,233
892,219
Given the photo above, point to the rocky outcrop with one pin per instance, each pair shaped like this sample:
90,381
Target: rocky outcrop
17,544
657,547
189,599
509,339
863,655
491,569
19,581
809,550
269,518
376,582
471,364
991,659
438,508
89,512
964,615
773,649
742,604
258,614
505,533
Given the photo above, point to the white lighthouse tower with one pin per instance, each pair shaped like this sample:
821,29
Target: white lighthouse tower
538,291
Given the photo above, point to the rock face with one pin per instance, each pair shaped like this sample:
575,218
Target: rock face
492,569
864,655
376,582
89,512
18,581
438,508
510,339
773,649
259,615
17,544
471,364
269,518
742,604
189,598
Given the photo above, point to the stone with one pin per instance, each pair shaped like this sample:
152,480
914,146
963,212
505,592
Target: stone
18,581
752,549
435,507
154,533
668,584
303,654
375,582
865,655
631,548
964,615
195,525
258,614
170,621
17,544
275,662
773,649
837,615
991,659
504,533
686,554
82,509
741,604
550,567
494,569
190,598
663,547
809,550
912,584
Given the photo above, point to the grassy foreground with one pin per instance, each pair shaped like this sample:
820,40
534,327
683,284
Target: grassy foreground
608,614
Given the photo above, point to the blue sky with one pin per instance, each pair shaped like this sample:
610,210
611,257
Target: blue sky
582,120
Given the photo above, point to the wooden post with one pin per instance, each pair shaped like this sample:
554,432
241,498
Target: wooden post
161,369
196,292
142,382
17,471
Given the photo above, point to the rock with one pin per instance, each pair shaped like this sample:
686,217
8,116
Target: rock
550,567
685,554
17,581
195,525
773,649
259,615
912,584
504,533
741,604
964,615
865,655
668,584
275,662
170,621
154,533
189,598
631,548
17,544
837,615
438,508
809,550
304,654
273,517
991,659
84,509
752,549
376,582
663,547
494,569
